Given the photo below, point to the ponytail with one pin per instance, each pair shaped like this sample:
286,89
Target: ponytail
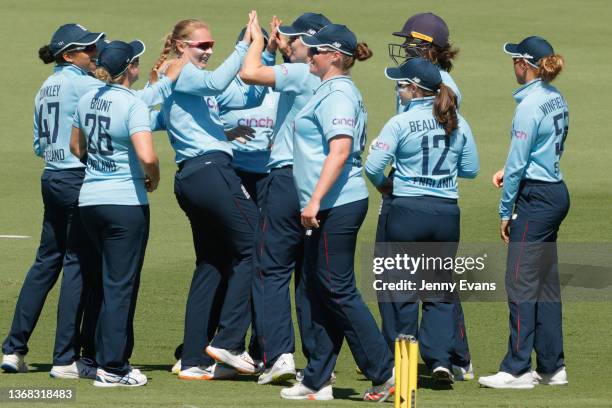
362,53
45,54
103,75
445,109
549,67
163,56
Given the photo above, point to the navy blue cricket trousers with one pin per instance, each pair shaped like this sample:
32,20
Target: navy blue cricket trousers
428,219
279,251
532,278
338,311
63,245
223,219
120,234
394,314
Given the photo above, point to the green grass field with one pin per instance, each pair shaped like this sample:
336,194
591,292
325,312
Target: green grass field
579,30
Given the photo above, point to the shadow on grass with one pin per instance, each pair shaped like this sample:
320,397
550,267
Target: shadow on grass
425,380
39,368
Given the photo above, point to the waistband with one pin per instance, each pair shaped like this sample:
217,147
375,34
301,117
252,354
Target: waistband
217,156
284,168
425,199
531,182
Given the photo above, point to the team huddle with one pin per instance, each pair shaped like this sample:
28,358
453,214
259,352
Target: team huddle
270,177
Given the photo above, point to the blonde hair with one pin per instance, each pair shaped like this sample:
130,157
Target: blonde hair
181,31
103,75
549,67
362,53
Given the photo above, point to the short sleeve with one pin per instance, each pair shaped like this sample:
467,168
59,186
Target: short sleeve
290,77
76,121
337,115
138,118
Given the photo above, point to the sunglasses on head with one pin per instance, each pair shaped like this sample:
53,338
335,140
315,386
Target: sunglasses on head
202,45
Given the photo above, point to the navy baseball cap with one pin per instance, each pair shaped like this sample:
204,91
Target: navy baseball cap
137,46
334,36
532,49
427,27
71,36
419,71
117,55
306,24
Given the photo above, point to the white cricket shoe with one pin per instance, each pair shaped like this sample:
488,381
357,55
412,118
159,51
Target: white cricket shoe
240,360
463,373
82,368
133,378
283,369
176,368
443,375
217,371
300,392
14,363
559,377
507,380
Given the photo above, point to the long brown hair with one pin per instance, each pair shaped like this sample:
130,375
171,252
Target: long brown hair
445,108
442,56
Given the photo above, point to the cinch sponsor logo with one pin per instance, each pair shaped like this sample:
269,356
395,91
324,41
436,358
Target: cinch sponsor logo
284,69
344,122
519,134
377,145
257,122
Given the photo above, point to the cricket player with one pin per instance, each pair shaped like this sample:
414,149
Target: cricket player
534,203
431,146
330,134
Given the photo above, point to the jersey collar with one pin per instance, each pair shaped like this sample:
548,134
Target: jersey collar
121,88
337,77
424,101
522,92
70,67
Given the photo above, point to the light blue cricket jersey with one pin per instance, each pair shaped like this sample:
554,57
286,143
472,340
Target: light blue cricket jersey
446,80
186,114
253,157
539,129
336,108
108,117
54,108
426,161
296,86
254,106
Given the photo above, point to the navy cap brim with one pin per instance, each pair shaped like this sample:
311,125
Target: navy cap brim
394,73
87,39
401,34
138,49
511,49
312,41
290,31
